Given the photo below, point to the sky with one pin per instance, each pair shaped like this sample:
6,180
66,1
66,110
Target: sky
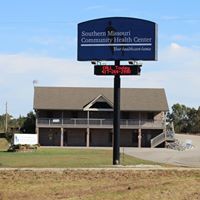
38,41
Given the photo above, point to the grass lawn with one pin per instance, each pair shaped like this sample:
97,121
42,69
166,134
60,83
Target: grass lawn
64,157
90,184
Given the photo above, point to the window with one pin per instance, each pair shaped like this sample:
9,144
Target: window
150,116
101,104
74,114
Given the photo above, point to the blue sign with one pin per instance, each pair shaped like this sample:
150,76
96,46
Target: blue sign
117,38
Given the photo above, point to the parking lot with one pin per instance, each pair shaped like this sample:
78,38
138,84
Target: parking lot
188,157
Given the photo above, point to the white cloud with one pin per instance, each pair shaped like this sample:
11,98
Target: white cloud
175,46
26,64
95,7
19,71
54,41
183,19
180,37
177,71
169,18
43,40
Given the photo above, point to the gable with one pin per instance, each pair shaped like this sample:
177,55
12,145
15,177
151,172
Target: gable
99,103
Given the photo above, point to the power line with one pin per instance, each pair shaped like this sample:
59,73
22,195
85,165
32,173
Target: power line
37,22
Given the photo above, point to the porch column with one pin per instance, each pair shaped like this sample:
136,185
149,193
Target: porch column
112,137
61,137
37,132
62,117
88,129
139,138
139,132
88,137
165,128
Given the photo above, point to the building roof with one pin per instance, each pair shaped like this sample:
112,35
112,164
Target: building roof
75,98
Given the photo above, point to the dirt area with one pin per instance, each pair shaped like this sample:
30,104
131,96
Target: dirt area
100,184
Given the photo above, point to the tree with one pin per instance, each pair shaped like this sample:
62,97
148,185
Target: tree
185,119
198,121
20,121
2,126
28,125
11,122
194,120
179,117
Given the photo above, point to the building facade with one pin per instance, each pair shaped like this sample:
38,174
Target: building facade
84,116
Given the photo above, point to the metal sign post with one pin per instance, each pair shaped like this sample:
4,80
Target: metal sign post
117,39
116,118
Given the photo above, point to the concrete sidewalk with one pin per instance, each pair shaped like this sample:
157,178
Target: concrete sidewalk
188,158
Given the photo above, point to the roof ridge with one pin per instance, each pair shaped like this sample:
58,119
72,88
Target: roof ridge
56,87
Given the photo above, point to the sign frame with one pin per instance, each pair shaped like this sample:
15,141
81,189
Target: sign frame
117,38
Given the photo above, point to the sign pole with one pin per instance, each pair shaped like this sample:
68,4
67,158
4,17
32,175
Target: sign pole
106,39
116,118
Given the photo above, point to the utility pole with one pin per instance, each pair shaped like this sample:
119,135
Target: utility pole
6,118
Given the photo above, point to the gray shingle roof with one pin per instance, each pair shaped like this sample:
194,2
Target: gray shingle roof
72,98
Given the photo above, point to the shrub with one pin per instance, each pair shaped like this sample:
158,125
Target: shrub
24,148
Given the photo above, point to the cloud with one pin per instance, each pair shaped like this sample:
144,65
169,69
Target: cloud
169,18
96,7
191,40
180,37
54,41
18,72
178,18
43,40
175,46
177,70
26,64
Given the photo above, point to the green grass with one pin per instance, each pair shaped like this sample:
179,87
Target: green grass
64,157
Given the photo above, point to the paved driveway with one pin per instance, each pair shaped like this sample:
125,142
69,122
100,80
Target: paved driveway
189,158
